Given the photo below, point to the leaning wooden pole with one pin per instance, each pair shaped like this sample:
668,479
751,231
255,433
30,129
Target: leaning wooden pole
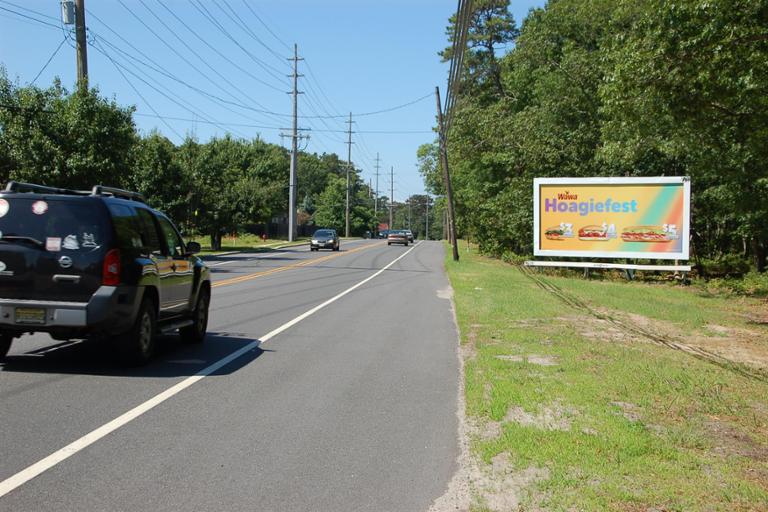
446,177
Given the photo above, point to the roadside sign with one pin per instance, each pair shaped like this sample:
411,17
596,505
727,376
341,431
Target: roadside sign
612,217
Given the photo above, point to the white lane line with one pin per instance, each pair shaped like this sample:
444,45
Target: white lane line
25,475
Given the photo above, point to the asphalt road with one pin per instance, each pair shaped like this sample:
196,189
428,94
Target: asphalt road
349,408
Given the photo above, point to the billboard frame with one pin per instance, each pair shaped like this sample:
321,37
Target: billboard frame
684,254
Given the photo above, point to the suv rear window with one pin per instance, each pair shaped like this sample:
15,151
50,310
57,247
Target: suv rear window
126,226
70,224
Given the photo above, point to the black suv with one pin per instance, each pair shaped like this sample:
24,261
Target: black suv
97,263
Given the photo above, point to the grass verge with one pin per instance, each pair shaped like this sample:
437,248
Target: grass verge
572,411
245,243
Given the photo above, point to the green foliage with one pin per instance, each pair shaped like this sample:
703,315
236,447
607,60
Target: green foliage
331,206
76,140
618,87
619,424
491,28
729,265
69,140
753,284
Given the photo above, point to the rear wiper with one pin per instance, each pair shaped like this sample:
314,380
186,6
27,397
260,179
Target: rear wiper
11,238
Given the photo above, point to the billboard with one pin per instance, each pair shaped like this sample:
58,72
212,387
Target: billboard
612,217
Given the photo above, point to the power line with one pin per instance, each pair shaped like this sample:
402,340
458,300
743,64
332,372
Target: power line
201,121
204,61
265,25
322,92
135,89
193,111
38,13
48,61
209,45
27,22
176,52
57,27
457,60
201,7
250,32
158,68
398,107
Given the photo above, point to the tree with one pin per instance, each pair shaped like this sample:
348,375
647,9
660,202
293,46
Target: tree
687,89
234,182
331,206
491,28
52,137
158,176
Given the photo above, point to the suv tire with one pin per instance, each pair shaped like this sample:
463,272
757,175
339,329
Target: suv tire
138,344
5,345
195,333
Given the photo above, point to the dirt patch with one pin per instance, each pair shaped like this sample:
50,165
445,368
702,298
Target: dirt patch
468,350
513,359
630,411
542,360
729,441
501,492
555,416
531,359
738,345
489,430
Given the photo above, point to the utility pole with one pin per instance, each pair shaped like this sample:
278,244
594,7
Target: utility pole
80,40
447,178
294,147
376,196
349,166
426,216
391,195
409,212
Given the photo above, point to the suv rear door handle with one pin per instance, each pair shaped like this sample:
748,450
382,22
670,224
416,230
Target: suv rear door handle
65,278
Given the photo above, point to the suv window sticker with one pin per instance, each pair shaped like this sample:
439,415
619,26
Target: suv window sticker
53,244
71,243
39,207
89,241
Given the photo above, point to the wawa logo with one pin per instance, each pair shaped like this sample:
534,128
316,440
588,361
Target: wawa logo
567,196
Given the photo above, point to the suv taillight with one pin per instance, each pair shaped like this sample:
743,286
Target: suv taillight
111,275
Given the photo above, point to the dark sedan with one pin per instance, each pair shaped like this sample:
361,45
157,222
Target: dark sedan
324,239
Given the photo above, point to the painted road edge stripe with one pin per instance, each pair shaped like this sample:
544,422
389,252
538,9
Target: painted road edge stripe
25,475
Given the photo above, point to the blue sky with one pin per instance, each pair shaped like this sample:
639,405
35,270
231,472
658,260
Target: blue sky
361,57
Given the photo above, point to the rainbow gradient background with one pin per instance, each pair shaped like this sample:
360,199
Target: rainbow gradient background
657,204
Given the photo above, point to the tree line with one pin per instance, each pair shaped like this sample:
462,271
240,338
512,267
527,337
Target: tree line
79,139
613,88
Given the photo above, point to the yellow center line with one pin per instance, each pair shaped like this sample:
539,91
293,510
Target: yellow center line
304,263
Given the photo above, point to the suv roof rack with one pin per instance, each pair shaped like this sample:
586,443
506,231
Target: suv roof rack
17,186
100,190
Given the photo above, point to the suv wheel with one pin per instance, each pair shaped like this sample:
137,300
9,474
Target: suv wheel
5,345
138,344
195,333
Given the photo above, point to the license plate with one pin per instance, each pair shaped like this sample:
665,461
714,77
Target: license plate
30,315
